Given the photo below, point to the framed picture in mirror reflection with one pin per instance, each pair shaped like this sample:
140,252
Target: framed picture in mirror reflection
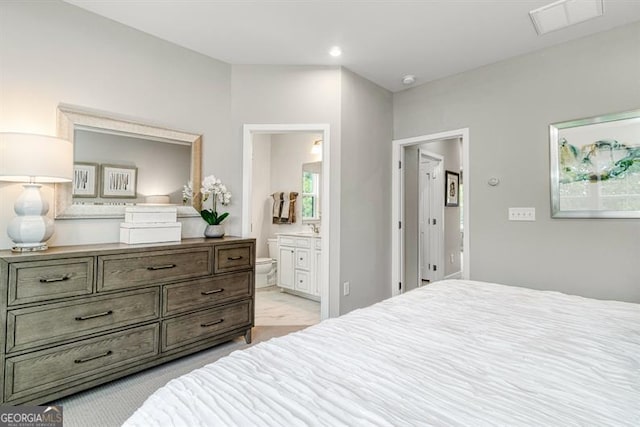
119,181
85,180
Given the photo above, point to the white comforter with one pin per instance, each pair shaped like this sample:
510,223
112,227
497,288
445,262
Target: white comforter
452,353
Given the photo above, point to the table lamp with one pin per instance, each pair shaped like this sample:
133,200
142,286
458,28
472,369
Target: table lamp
33,159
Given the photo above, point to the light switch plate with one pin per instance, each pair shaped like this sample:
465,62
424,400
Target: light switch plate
522,214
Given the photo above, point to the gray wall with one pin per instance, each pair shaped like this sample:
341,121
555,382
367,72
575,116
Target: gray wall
359,112
53,52
508,107
366,185
285,95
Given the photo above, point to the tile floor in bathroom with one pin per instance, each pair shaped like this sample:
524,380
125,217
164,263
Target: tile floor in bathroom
274,307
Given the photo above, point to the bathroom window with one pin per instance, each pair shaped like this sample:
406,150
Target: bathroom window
310,195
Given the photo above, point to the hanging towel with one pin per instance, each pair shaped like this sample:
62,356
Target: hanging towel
292,207
284,215
284,207
277,207
277,204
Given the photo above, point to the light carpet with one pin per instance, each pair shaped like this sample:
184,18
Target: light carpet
111,404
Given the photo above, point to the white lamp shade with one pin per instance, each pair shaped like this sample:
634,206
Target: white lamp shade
35,158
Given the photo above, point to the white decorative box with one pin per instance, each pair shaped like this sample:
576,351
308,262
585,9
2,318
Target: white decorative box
150,232
148,214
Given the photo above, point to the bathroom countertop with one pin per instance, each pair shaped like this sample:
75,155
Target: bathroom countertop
300,234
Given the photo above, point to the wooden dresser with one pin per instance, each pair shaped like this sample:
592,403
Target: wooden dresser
77,316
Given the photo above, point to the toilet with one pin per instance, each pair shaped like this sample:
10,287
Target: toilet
266,267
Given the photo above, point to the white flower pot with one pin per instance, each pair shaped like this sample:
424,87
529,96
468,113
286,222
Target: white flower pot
214,231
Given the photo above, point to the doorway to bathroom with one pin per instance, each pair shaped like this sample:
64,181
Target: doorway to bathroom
286,209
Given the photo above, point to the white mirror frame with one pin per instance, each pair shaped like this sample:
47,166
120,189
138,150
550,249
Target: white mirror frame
70,117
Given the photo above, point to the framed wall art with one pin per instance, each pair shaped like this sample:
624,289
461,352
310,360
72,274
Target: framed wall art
119,181
595,167
452,189
85,180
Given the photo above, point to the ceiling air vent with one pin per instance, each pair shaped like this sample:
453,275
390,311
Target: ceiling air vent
563,13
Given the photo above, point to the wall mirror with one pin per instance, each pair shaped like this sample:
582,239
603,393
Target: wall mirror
119,162
311,200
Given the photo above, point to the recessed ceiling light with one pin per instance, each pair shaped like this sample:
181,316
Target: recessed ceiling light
335,51
409,79
563,13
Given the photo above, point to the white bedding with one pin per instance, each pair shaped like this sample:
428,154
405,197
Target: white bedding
451,353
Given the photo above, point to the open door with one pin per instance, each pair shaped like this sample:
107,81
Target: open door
431,212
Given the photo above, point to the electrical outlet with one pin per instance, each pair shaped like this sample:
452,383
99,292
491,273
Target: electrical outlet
345,288
522,214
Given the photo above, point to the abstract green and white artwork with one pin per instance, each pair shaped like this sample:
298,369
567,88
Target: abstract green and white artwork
595,167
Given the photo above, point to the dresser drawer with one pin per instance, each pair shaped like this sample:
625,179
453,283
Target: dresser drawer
35,326
126,271
66,365
45,280
191,328
233,258
203,293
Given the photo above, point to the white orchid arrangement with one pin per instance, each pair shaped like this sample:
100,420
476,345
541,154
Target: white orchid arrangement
213,188
187,192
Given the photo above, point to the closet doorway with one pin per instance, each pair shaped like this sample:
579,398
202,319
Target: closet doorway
316,277
409,220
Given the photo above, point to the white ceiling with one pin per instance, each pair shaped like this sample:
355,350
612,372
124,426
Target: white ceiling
381,40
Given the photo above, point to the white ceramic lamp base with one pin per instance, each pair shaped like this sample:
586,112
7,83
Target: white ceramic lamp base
31,229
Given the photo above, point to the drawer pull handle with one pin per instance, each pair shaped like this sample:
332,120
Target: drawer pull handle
234,258
108,353
215,322
56,279
213,291
93,316
161,267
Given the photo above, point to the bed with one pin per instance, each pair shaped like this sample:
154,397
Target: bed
452,353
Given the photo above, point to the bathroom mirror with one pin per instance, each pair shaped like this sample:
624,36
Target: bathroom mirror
120,162
311,191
